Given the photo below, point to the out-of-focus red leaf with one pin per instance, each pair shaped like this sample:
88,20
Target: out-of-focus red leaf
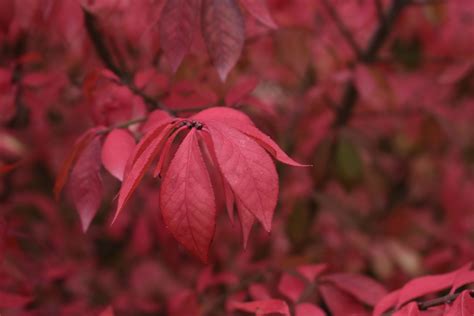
291,286
386,303
240,90
259,10
10,300
363,288
109,311
116,150
224,33
178,23
462,306
263,307
259,292
208,279
184,303
455,72
187,199
308,309
85,183
340,303
249,171
77,150
311,271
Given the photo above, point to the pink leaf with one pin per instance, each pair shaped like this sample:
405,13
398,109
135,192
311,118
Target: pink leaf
462,306
143,156
85,183
224,115
108,312
387,302
259,10
363,288
249,171
264,307
307,309
187,199
408,310
340,303
178,23
291,286
224,33
240,90
259,292
247,219
116,150
77,150
311,271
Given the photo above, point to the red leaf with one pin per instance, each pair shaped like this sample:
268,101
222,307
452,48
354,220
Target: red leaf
178,23
259,292
240,90
363,288
462,306
249,171
242,122
340,303
224,115
259,10
311,271
247,219
143,156
9,300
85,183
307,309
116,150
77,150
386,303
187,199
108,312
224,33
264,307
409,310
291,286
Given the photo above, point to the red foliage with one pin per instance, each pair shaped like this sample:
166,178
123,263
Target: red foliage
170,112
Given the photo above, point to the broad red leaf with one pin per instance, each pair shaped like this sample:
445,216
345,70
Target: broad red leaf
116,150
208,279
178,23
224,33
259,10
77,150
263,307
340,303
187,199
259,292
462,306
85,183
9,300
308,309
363,288
291,286
247,219
224,115
249,171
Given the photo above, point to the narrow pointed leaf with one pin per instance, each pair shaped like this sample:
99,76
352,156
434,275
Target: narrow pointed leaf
85,183
247,219
187,199
178,23
224,33
249,171
117,148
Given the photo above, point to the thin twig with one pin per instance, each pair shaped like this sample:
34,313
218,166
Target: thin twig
107,58
350,95
342,28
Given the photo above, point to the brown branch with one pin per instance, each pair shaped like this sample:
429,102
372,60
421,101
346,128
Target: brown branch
440,300
106,57
350,95
342,28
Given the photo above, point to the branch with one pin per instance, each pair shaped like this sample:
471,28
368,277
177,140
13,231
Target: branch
107,58
369,56
440,300
342,28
